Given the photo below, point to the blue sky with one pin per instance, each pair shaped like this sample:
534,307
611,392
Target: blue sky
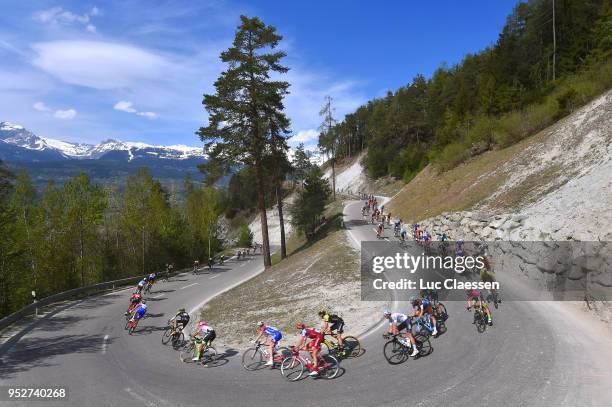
136,70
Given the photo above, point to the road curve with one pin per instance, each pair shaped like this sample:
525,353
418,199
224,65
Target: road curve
537,354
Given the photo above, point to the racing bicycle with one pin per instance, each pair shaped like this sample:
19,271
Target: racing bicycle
174,336
292,367
351,345
396,352
208,356
256,357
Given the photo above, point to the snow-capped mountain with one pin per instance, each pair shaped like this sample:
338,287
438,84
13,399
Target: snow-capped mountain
17,136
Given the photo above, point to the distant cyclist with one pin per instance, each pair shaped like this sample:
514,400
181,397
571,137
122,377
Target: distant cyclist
474,300
141,310
333,325
134,301
272,337
397,323
141,285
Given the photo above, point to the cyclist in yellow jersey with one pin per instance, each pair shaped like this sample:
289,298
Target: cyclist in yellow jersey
335,329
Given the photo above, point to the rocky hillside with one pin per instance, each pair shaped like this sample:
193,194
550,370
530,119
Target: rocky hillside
557,185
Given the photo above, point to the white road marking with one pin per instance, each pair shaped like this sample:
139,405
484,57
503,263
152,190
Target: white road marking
182,288
215,276
104,344
243,264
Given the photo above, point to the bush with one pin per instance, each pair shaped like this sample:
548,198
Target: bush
245,238
452,155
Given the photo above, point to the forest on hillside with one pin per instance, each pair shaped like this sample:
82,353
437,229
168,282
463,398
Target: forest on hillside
542,67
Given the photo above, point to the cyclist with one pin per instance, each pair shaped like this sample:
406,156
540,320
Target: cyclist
196,265
141,310
141,285
152,278
403,232
459,251
272,337
423,309
396,227
397,323
474,299
180,320
134,301
313,347
336,329
379,230
203,336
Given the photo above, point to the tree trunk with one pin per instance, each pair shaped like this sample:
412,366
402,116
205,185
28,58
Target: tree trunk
261,203
82,255
279,202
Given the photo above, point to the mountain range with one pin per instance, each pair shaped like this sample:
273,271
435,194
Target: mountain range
48,159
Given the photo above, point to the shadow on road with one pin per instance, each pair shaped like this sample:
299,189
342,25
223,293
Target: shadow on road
39,352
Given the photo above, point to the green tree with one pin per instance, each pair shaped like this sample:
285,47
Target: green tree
301,164
85,206
246,105
309,204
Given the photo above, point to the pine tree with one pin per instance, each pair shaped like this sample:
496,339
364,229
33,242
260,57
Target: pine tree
301,164
247,103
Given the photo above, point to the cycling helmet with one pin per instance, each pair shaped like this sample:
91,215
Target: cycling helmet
260,323
386,312
300,325
201,323
181,310
322,313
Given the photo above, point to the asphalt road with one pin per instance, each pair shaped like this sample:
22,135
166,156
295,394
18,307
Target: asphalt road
537,354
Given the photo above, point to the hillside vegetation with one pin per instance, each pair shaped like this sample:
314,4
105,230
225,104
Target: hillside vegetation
559,179
492,99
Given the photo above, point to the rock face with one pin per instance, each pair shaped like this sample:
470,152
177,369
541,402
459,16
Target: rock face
573,205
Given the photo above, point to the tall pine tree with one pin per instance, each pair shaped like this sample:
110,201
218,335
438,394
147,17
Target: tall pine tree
247,103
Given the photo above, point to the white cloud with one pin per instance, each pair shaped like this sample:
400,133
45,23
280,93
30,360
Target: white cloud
65,114
59,16
100,65
41,107
305,136
124,106
150,115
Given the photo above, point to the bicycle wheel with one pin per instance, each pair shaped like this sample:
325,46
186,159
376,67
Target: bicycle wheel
441,327
186,354
167,336
178,340
208,358
292,368
327,347
423,344
442,313
481,325
329,366
352,347
395,353
252,359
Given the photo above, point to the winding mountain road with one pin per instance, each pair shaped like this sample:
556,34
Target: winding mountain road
537,354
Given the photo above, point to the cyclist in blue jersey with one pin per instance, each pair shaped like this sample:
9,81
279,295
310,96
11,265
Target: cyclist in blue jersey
272,337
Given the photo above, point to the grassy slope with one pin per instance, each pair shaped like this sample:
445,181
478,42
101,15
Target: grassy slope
430,193
319,274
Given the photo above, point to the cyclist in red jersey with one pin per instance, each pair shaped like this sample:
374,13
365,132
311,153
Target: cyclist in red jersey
313,347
